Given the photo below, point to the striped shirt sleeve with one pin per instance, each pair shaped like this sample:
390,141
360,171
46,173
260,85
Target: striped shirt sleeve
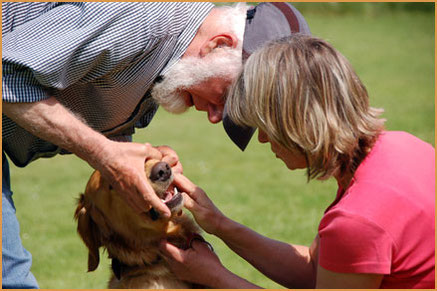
78,43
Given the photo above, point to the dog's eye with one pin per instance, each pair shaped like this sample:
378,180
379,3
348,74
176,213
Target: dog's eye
154,215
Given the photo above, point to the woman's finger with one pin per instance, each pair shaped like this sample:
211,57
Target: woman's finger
184,184
201,246
189,203
172,252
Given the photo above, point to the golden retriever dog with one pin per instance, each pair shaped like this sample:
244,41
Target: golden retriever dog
131,240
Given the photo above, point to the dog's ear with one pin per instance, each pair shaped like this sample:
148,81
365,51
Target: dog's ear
89,233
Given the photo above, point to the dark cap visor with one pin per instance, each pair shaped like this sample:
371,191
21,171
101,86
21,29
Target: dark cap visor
238,134
264,23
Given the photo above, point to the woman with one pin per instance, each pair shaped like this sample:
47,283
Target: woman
308,103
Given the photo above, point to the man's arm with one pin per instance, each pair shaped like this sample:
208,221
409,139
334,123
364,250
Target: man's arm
121,163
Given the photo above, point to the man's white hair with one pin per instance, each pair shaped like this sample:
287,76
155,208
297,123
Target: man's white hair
234,19
189,71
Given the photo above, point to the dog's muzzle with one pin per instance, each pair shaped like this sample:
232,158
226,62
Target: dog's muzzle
160,172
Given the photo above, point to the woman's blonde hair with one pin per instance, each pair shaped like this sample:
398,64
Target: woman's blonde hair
305,95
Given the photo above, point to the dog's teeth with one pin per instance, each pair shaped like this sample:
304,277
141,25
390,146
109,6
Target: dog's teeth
175,190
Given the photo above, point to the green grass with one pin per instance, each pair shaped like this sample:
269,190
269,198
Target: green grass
393,54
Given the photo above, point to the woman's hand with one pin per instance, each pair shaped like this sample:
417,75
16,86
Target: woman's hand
198,264
197,202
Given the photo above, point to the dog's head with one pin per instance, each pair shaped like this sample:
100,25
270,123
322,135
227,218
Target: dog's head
104,217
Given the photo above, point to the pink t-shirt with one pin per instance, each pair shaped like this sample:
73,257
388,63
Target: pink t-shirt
384,222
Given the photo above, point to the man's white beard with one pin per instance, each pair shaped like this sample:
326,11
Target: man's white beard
190,71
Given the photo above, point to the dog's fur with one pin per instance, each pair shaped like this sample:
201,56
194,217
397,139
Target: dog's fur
131,240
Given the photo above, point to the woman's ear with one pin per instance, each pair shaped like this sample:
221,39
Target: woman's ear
217,41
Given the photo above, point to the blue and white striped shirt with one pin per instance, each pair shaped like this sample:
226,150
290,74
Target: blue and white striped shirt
99,59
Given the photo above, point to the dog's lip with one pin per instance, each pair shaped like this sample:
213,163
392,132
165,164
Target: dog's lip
168,195
175,200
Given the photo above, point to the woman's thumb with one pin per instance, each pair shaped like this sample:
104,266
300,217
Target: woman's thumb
171,251
189,203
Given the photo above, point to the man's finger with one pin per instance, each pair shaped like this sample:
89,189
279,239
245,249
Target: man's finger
171,160
137,204
151,152
169,155
165,150
177,168
150,197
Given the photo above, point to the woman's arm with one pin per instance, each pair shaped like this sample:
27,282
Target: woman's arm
290,265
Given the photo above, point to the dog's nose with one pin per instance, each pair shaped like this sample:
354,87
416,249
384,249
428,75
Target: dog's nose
160,172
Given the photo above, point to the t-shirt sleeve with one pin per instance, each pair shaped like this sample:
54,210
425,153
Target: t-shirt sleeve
350,243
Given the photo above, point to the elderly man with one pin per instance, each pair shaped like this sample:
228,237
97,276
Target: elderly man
80,77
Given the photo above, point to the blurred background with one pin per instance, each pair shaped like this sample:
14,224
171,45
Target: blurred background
390,45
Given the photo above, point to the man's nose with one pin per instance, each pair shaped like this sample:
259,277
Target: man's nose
215,113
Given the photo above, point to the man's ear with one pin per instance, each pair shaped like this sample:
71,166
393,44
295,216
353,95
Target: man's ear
220,40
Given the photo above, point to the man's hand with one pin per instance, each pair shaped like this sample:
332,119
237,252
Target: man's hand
197,202
122,164
170,157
